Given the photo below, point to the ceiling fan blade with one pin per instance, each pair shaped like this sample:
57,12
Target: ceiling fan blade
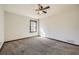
44,11
46,7
40,6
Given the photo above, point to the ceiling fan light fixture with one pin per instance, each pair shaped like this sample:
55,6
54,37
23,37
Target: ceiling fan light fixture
39,12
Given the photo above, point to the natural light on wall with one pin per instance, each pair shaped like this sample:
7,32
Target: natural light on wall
42,33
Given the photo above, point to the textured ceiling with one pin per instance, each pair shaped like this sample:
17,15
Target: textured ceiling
29,9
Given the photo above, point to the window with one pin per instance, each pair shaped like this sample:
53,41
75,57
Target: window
33,26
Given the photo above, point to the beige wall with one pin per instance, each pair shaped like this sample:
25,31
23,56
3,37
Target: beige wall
62,26
1,25
17,26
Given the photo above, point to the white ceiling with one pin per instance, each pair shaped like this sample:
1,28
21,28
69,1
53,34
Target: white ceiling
29,9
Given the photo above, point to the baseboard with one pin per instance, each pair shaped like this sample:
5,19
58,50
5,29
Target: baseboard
63,41
21,38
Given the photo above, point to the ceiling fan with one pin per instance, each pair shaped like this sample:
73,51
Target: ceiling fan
42,9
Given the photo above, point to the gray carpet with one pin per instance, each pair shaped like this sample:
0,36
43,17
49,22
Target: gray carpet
38,46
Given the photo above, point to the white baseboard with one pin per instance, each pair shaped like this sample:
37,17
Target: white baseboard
67,41
64,40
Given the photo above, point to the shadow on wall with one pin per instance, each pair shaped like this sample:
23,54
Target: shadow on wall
42,33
